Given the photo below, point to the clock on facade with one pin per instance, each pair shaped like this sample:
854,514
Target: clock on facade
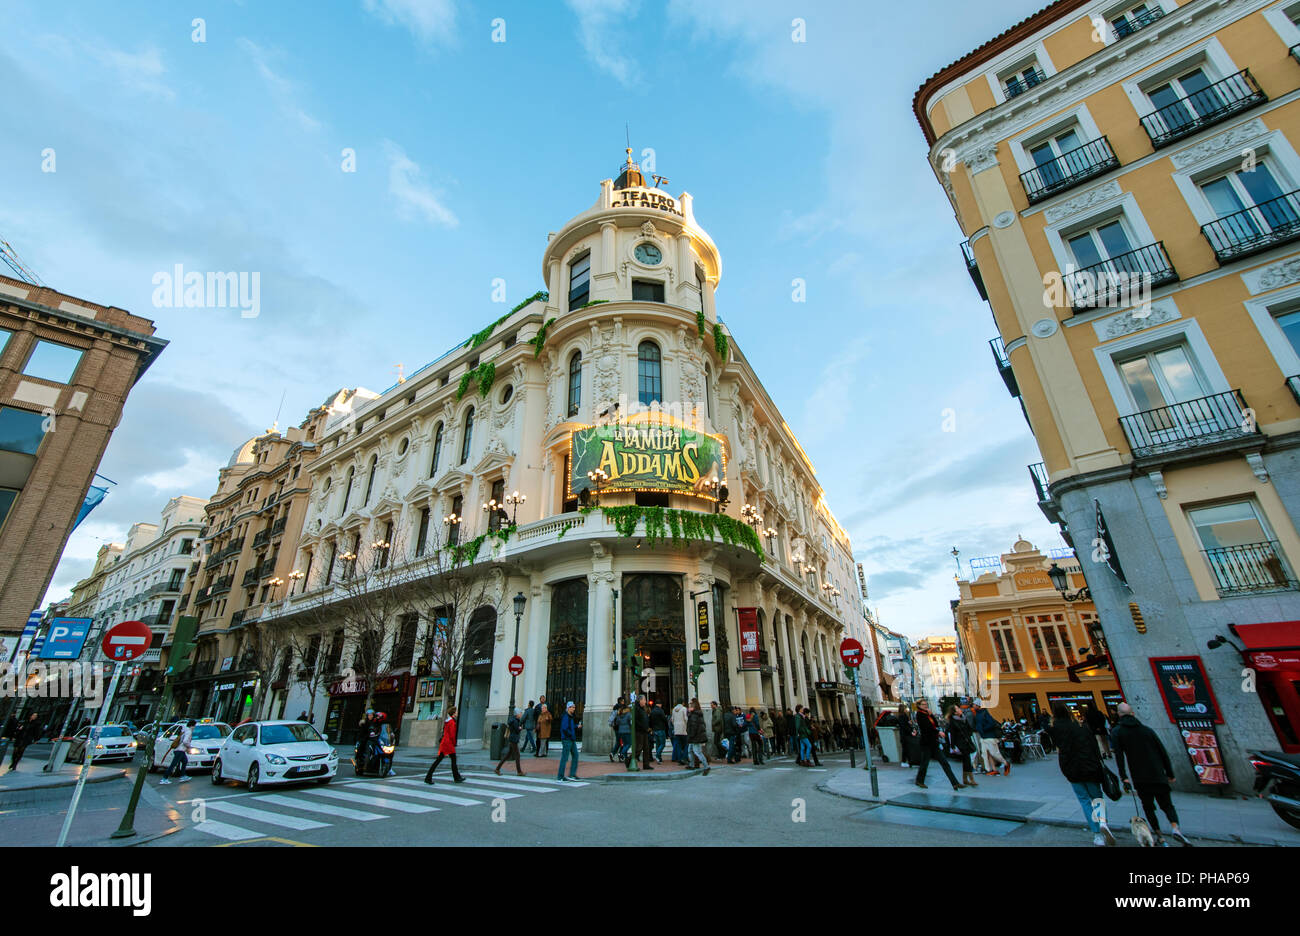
648,254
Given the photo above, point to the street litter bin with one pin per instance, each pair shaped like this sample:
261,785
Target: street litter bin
497,741
889,743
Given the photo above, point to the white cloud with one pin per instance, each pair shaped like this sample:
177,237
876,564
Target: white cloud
283,91
141,71
415,198
597,20
430,21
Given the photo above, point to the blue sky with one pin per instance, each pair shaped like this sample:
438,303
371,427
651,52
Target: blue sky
803,157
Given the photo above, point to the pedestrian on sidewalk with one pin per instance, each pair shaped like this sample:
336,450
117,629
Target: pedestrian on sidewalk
906,736
766,727
623,731
659,725
755,738
1139,753
804,734
791,734
530,728
734,727
680,717
641,716
569,726
990,733
717,723
179,748
543,731
1099,727
1081,764
930,741
515,725
616,747
446,748
696,737
1045,732
24,735
962,739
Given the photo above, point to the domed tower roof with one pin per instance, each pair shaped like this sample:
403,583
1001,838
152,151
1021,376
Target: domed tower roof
631,176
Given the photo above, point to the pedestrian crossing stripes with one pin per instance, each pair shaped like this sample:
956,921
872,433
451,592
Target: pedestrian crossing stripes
246,816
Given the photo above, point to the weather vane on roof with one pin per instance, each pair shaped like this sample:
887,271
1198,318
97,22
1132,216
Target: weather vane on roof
399,367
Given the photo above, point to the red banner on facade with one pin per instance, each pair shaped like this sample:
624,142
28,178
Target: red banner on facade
748,623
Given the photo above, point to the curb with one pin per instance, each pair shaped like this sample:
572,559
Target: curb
1046,820
60,782
643,776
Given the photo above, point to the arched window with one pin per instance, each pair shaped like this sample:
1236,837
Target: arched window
579,281
437,450
370,480
649,382
575,382
347,492
468,438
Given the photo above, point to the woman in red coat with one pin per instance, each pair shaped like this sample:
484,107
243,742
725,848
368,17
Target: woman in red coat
447,748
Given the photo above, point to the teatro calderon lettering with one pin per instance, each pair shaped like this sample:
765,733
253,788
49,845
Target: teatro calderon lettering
645,198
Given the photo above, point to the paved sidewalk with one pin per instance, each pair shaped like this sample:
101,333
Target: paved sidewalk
30,776
1037,792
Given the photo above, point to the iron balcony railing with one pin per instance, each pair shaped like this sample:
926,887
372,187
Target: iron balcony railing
1038,473
221,585
1203,108
1249,568
250,578
1022,83
237,619
278,527
1124,280
1256,228
1293,384
1069,169
1214,418
1004,365
973,269
1128,25
262,538
266,569
204,667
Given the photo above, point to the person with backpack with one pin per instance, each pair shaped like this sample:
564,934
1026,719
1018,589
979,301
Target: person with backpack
1138,752
1081,765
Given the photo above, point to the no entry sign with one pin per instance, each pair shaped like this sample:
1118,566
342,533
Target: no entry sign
516,665
126,641
851,652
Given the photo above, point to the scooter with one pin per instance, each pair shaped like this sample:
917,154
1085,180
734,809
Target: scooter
1277,780
1010,744
373,758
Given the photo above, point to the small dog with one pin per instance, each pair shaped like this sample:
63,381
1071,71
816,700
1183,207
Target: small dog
1142,833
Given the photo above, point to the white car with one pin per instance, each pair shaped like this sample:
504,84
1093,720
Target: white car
205,744
115,743
266,752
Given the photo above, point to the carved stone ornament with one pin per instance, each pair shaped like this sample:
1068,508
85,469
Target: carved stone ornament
981,158
1044,328
1083,201
1256,462
1135,320
648,229
1273,276
1157,479
1234,139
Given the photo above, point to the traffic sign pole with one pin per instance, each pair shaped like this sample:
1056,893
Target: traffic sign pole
89,750
866,738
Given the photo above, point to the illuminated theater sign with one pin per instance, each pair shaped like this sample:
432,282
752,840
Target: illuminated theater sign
648,457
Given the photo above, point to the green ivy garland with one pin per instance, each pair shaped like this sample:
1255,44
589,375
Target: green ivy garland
541,294
483,376
701,324
592,303
467,553
678,526
479,337
720,341
540,338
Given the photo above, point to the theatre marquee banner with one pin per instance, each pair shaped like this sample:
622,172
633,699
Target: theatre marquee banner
647,457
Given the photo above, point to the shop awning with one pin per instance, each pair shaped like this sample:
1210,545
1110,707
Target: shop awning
1273,635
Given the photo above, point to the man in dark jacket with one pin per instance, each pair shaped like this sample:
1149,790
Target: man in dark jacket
716,724
791,734
642,732
659,725
990,732
515,724
1080,762
1099,727
1139,752
696,737
734,726
530,726
755,730
928,741
906,736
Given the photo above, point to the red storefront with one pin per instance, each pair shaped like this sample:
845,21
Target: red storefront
1273,650
394,695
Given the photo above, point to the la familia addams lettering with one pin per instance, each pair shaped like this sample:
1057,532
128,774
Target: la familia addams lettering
640,198
666,463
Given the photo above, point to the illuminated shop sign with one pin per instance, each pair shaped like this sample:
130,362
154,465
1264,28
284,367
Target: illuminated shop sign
648,457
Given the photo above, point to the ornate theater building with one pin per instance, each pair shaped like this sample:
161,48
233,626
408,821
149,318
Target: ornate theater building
599,464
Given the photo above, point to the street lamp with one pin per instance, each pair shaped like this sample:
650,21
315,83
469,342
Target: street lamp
294,576
1061,582
274,584
451,522
514,499
520,601
956,557
769,532
718,490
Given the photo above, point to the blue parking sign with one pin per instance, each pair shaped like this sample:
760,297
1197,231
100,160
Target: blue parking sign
65,638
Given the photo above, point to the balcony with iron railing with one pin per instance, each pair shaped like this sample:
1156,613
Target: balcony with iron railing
1004,365
237,619
266,569
1119,281
1251,230
973,269
278,527
262,538
1127,25
221,586
1254,567
1042,490
1069,169
1019,84
1190,424
250,578
1204,108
